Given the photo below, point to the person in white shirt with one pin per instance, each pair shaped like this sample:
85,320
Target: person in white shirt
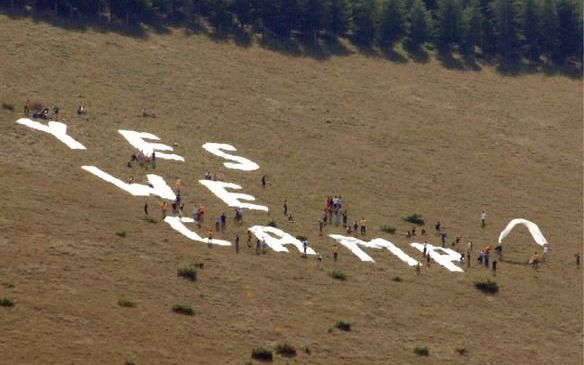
483,219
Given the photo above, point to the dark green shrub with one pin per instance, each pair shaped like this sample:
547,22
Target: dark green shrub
272,223
286,350
183,309
339,275
301,238
121,233
422,351
397,279
488,287
126,303
5,302
414,219
343,326
260,353
8,106
462,351
188,272
388,229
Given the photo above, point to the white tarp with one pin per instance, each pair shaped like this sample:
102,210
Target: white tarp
178,225
239,163
276,239
532,227
136,139
57,129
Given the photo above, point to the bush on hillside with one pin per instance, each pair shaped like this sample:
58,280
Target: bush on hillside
188,272
414,219
422,351
8,106
388,229
121,233
339,275
488,287
260,353
5,302
273,223
126,303
286,350
343,325
185,309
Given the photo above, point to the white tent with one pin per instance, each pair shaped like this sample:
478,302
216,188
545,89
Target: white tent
532,227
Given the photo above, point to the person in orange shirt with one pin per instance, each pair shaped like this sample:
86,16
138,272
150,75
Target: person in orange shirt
335,252
534,260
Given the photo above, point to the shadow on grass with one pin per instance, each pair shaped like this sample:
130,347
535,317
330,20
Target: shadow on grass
296,45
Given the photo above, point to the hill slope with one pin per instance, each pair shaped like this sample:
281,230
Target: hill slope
392,139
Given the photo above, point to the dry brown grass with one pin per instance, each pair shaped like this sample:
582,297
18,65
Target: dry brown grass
390,138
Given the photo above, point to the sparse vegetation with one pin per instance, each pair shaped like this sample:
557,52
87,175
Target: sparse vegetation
126,303
121,233
343,325
262,354
422,351
129,363
461,351
307,350
5,302
339,275
273,223
388,229
286,350
8,106
301,238
185,309
397,279
488,287
414,219
188,272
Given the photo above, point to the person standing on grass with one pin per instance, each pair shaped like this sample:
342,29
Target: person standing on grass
545,252
164,207
305,245
494,267
534,260
258,246
209,237
443,239
483,219
437,227
146,209
363,224
428,259
285,207
425,248
345,218
469,247
264,177
486,258
335,252
236,243
223,222
248,239
27,108
577,260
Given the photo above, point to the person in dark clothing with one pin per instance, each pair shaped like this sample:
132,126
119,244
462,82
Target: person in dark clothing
146,209
494,267
236,243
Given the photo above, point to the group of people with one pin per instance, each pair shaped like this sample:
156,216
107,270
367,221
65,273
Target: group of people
143,159
214,176
37,111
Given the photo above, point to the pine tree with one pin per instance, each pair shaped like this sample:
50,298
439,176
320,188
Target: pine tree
339,17
507,30
314,17
290,15
569,32
549,30
419,25
488,41
393,25
364,13
472,28
449,29
242,9
219,14
531,29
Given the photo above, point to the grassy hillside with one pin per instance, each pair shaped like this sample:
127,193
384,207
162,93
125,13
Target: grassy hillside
392,139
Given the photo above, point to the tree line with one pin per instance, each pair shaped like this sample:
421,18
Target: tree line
510,30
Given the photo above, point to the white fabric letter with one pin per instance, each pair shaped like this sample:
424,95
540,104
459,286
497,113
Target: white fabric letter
159,186
267,233
57,129
532,227
242,162
177,224
231,199
443,256
136,139
353,244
